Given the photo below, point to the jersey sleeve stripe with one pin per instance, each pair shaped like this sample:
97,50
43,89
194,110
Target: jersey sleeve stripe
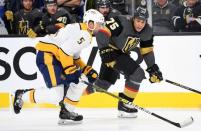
105,31
146,50
83,26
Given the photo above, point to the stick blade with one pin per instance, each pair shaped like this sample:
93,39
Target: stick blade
186,122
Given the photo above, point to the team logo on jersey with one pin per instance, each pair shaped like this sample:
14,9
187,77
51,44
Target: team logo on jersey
130,44
23,26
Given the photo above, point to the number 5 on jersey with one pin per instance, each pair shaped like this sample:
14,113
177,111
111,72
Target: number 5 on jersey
81,40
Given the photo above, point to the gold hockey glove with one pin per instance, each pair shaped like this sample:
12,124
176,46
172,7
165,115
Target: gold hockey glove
9,15
155,74
31,33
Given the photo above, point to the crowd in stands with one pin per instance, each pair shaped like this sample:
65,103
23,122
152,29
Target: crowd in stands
183,16
40,17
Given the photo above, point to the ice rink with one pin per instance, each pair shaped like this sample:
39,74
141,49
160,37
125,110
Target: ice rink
97,120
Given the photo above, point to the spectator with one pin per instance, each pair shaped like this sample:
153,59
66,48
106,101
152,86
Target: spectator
13,5
16,5
54,19
38,4
176,2
90,4
75,7
26,19
80,11
162,14
3,30
104,7
187,17
2,4
10,7
120,5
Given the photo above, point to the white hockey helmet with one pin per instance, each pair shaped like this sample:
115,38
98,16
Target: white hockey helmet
95,16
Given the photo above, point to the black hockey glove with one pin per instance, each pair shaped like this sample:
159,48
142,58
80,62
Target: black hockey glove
90,73
109,54
155,74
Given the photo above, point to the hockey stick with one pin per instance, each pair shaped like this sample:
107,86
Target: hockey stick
92,56
182,86
180,125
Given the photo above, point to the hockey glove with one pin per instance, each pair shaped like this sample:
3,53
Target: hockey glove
31,33
9,15
59,25
90,73
74,77
109,54
155,74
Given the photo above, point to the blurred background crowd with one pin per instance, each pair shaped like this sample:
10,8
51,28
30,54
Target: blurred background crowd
34,18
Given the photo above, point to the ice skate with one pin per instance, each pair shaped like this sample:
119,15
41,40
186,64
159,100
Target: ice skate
18,102
67,117
126,111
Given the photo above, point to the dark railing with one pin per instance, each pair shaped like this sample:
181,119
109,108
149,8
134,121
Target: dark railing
12,35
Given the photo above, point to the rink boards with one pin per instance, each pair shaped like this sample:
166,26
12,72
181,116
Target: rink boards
144,99
177,56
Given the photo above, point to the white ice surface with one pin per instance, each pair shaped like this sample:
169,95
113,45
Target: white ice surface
97,120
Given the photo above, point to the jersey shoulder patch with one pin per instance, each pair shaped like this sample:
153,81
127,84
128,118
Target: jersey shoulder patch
114,25
83,26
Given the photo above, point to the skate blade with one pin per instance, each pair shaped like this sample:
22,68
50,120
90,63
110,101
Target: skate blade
68,122
123,114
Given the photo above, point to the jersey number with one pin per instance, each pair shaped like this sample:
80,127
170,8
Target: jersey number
112,24
62,20
81,40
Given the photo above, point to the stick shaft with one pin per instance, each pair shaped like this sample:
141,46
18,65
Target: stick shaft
92,56
130,103
182,86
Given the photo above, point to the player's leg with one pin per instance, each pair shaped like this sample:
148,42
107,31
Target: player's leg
107,77
52,72
70,101
134,75
43,95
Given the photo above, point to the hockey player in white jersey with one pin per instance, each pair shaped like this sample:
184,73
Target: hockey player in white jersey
59,61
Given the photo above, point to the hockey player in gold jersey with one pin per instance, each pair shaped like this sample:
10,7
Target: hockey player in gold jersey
59,61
